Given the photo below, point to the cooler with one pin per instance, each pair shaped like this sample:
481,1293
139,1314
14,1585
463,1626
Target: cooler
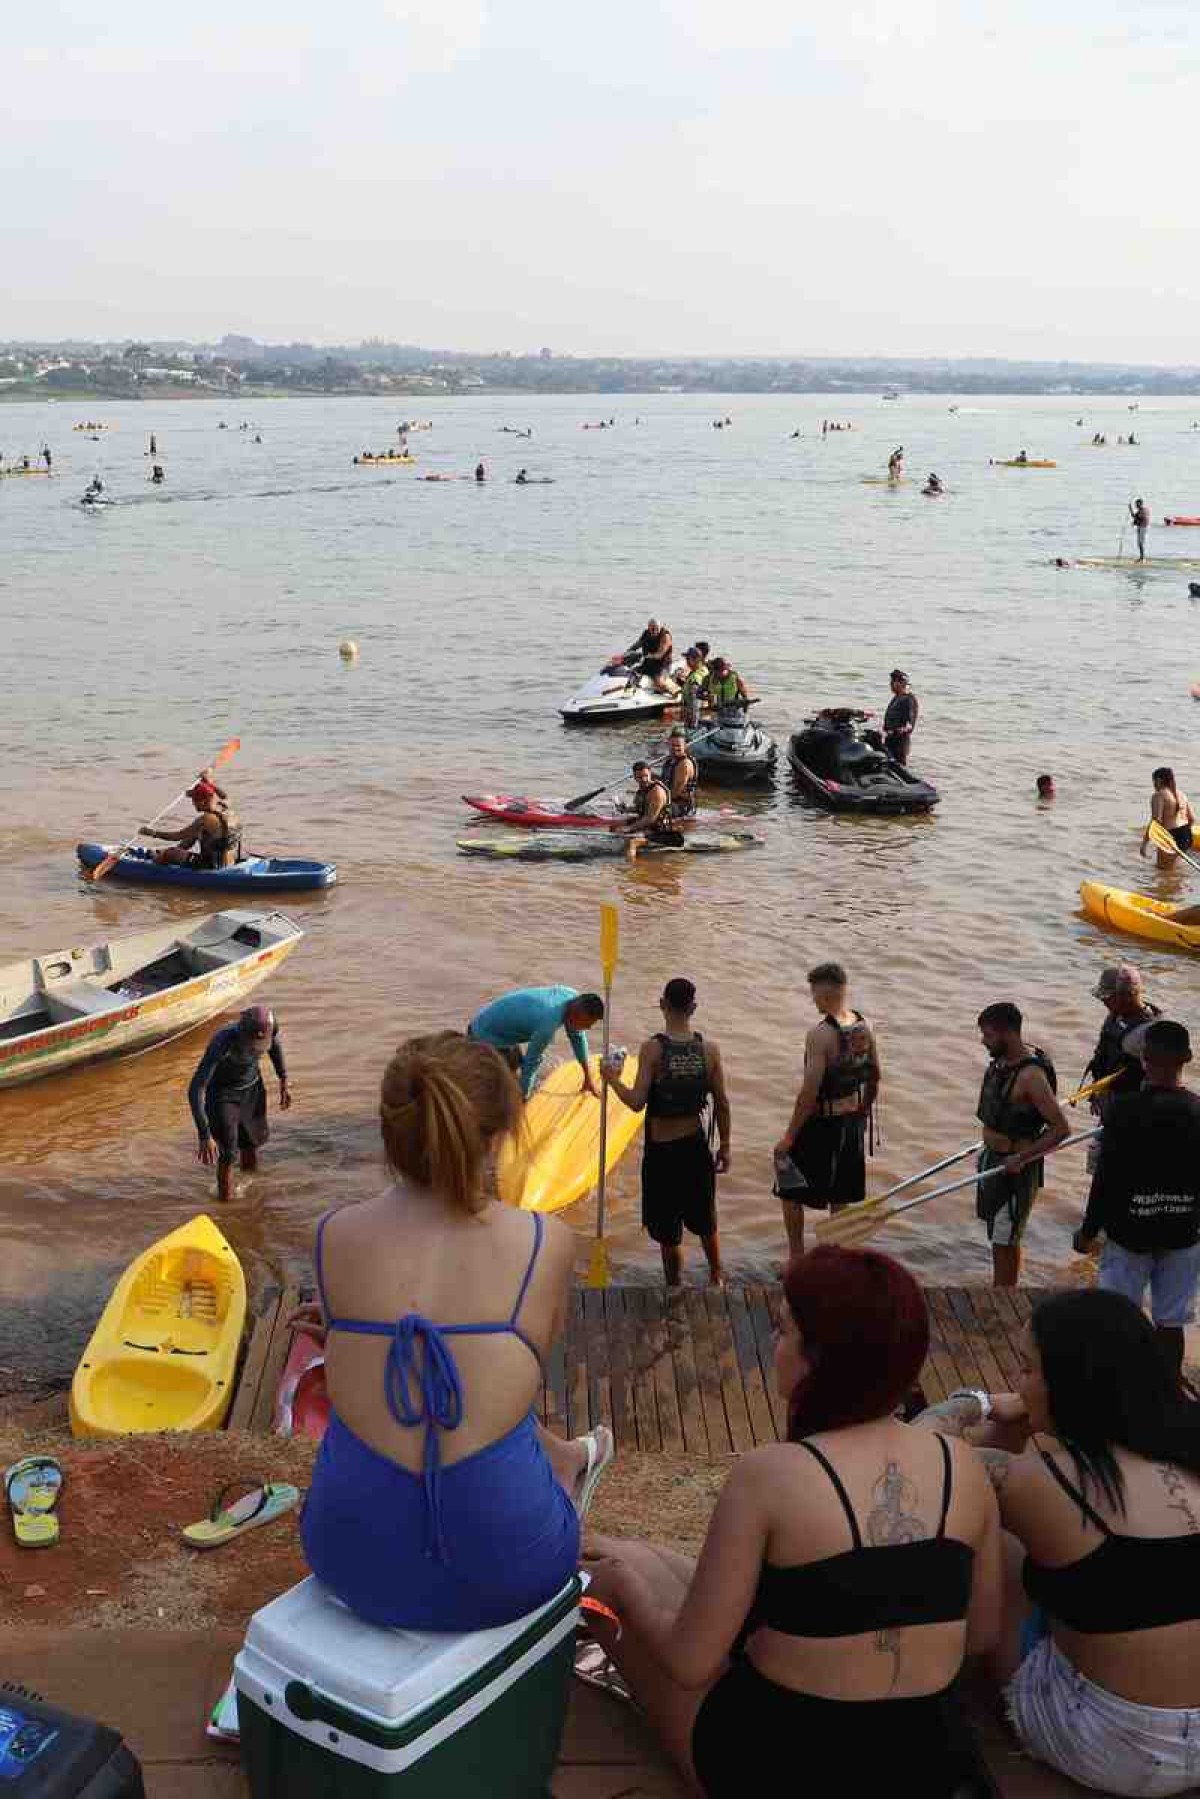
46,1753
330,1707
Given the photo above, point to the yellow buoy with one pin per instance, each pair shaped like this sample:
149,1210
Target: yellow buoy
348,649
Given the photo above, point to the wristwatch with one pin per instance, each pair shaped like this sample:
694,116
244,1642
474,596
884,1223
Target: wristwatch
976,1393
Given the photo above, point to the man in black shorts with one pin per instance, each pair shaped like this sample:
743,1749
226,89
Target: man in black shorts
820,1160
228,1098
677,1074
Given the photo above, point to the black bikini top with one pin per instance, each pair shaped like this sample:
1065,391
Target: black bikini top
1125,1583
926,1580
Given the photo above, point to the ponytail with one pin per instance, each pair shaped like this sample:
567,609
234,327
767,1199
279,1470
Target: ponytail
443,1100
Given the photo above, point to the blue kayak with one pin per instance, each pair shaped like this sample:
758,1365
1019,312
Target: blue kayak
254,874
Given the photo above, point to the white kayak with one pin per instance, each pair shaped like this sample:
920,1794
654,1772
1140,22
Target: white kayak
616,694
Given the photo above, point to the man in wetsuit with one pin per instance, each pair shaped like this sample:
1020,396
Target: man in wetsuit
532,1016
677,1074
820,1160
650,816
680,774
900,719
1021,1122
1139,512
228,1097
1145,1193
215,834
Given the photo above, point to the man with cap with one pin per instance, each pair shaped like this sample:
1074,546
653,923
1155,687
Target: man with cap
900,719
215,834
228,1097
693,682
1145,1193
1116,1051
725,686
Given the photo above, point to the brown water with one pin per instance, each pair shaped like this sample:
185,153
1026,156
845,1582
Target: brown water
139,640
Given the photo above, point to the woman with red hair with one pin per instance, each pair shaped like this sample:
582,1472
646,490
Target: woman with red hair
845,1575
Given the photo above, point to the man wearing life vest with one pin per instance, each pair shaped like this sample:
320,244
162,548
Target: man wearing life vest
820,1159
1022,1121
214,835
650,816
725,685
693,683
679,775
678,1072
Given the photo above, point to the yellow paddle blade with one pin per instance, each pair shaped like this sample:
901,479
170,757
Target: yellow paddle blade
609,931
852,1225
1081,1093
597,1275
1162,839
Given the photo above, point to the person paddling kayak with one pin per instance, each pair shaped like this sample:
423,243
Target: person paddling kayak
531,1017
215,834
228,1097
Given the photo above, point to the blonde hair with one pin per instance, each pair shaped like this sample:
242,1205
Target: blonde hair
444,1098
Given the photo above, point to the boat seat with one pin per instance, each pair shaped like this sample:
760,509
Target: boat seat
77,999
217,955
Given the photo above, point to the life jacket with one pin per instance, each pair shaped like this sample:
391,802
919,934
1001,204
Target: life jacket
681,1086
997,1111
641,803
723,690
683,805
220,849
1111,1057
851,1069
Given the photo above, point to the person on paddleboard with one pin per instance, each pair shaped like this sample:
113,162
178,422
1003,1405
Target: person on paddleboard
228,1097
1022,1121
820,1159
678,1074
900,719
1171,808
896,463
528,1019
1139,514
680,774
212,840
650,813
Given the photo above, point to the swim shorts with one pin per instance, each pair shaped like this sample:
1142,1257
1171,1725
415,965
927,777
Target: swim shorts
1005,1202
829,1153
237,1120
679,1188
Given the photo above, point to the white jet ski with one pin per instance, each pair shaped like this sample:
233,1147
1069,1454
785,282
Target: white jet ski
617,692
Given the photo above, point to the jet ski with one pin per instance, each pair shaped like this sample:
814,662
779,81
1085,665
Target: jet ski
733,749
847,769
618,691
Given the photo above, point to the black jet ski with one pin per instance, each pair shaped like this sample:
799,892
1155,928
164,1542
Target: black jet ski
846,768
733,749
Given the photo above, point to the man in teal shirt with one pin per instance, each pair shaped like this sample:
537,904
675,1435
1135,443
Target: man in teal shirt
531,1016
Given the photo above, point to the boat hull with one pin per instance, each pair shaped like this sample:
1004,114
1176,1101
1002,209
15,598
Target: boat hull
255,874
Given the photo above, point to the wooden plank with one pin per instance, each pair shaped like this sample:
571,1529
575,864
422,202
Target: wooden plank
983,1302
556,1388
733,1394
957,1348
645,1400
620,1382
976,1332
939,1377
597,1356
764,1343
578,1421
281,1343
246,1397
762,1425
658,1344
708,1374
687,1378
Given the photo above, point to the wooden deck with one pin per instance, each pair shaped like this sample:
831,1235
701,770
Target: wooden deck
689,1372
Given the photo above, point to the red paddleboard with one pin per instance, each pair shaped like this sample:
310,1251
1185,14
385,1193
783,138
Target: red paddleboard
548,815
1181,521
302,1400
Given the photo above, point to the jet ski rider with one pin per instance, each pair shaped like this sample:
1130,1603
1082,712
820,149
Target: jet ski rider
654,649
725,685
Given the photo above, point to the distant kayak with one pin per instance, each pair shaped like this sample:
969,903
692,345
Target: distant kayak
11,473
534,481
933,493
597,849
1181,521
1016,462
885,480
254,874
549,815
382,461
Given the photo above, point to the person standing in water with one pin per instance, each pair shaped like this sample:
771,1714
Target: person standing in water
480,472
228,1098
1171,809
678,1072
900,719
1139,512
896,463
820,1159
1022,1121
153,444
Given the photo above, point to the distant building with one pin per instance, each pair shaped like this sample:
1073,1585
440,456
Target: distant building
545,354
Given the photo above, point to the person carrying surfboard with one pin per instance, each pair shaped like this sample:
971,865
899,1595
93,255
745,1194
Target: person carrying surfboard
678,1072
532,1017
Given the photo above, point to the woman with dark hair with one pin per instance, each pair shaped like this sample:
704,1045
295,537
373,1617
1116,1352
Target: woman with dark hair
1173,811
1101,1648
845,1574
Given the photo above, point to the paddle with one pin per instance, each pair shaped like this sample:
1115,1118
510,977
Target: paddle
598,1266
856,1223
593,793
223,755
1163,840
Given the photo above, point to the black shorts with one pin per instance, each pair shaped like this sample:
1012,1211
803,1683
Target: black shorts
237,1121
679,1187
898,747
1183,836
653,666
829,1153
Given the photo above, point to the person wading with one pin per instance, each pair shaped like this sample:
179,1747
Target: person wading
900,719
819,1160
1139,512
679,775
1021,1121
228,1097
1172,809
678,1072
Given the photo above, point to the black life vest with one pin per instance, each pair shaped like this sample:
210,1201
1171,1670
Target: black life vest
852,1068
222,849
997,1111
681,1086
641,803
683,805
1110,1055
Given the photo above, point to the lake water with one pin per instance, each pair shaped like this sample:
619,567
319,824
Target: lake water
138,640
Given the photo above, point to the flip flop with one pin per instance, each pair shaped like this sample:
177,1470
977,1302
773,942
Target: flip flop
594,1669
32,1487
262,1504
601,1448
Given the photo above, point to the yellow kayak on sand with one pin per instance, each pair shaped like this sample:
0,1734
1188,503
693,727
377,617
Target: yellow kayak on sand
164,1353
1138,914
557,1158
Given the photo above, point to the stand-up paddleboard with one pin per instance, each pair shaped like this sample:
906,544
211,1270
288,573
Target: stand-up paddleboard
1184,562
556,1160
549,815
593,847
885,480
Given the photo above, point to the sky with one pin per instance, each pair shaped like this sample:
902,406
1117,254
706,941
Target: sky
635,177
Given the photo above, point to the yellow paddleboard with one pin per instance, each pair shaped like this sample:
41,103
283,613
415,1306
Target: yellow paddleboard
557,1159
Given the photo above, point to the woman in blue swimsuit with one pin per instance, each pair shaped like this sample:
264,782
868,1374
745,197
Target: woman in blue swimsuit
438,1502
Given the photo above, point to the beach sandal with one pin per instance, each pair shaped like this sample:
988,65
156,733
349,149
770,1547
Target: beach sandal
594,1669
32,1487
601,1448
262,1503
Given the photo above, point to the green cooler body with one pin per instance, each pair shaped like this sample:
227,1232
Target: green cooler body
330,1707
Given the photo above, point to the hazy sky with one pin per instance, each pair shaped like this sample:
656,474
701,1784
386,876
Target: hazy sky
627,176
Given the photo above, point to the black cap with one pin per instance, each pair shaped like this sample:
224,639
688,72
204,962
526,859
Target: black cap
897,674
1169,1039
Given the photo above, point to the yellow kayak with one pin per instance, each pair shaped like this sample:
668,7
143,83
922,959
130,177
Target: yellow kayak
1029,462
556,1160
383,461
1138,914
164,1353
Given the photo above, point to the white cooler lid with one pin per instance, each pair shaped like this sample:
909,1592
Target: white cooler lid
306,1634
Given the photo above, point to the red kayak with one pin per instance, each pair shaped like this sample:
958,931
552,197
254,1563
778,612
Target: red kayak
548,815
1181,521
302,1401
